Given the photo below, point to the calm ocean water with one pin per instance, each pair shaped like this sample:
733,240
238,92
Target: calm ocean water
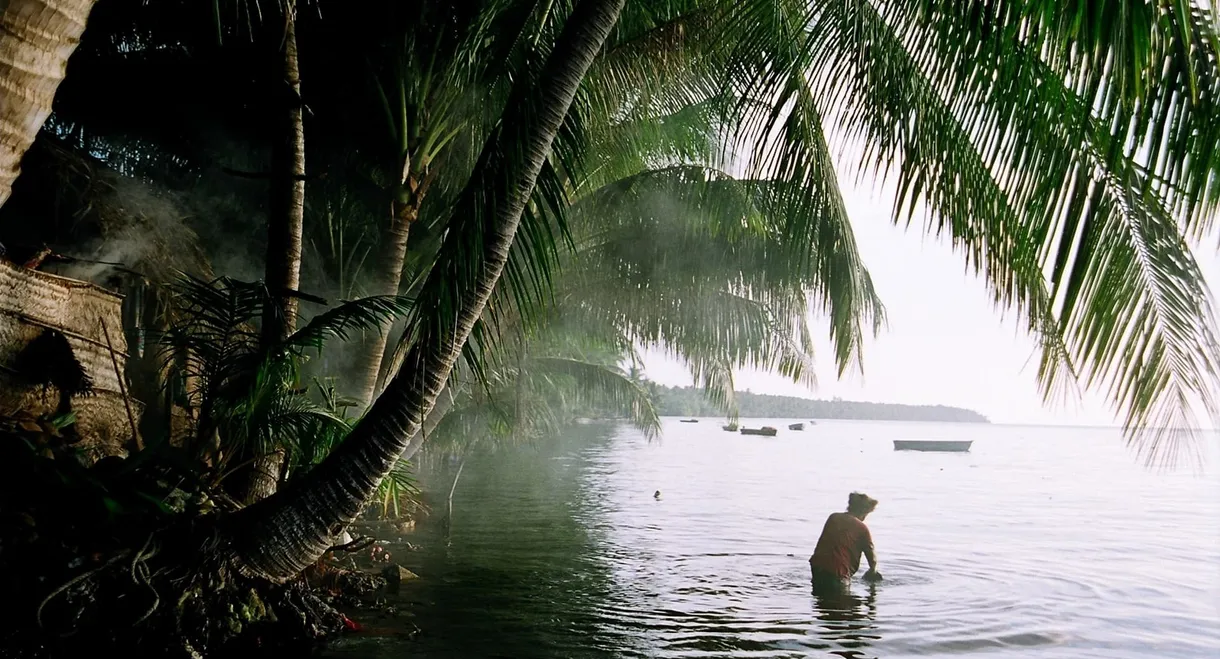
1040,542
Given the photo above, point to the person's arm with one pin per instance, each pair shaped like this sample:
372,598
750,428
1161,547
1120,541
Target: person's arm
870,554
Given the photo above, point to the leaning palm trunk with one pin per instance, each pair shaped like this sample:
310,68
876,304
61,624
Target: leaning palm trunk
284,230
36,39
386,280
444,403
277,538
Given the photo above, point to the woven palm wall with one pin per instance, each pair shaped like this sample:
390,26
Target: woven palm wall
91,319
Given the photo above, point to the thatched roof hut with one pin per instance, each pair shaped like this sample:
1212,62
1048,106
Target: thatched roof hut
81,208
90,318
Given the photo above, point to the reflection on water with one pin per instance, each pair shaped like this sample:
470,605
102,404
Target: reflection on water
845,621
1041,543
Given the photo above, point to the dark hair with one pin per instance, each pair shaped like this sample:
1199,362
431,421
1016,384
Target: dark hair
860,502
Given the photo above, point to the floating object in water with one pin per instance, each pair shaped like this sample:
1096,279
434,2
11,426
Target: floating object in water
796,426
730,427
656,495
765,431
937,445
689,420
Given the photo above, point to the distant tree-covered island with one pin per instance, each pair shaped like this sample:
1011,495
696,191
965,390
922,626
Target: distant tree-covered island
690,401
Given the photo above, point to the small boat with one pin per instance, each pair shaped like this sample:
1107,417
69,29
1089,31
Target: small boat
796,426
937,445
765,431
731,427
689,421
812,422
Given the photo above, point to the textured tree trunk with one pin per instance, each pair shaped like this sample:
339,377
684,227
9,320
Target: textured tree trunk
36,39
277,538
444,403
387,277
286,210
286,215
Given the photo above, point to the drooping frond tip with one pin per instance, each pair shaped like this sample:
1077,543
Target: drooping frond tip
1069,150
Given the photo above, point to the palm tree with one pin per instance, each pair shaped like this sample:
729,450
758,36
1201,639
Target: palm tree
1070,152
281,535
537,387
285,228
1011,126
677,253
243,393
667,251
36,39
430,86
286,208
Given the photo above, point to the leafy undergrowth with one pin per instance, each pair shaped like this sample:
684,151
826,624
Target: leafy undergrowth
125,555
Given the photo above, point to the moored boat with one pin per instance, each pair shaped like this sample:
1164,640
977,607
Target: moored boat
935,445
796,426
765,431
689,420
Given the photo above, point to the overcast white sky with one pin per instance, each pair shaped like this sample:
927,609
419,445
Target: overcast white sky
945,342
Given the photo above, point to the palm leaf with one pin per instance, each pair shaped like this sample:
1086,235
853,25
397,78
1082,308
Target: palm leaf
601,385
369,313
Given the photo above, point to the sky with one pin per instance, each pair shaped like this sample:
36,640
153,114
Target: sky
945,342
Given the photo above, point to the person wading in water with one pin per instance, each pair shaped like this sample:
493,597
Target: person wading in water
844,538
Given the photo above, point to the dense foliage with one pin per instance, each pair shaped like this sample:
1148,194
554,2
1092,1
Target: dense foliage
528,192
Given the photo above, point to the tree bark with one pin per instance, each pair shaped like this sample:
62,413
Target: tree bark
286,210
387,277
36,39
444,403
285,220
277,538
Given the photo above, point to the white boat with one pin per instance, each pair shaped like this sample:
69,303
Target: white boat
939,445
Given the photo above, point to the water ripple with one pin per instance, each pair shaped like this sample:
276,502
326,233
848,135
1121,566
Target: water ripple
1040,543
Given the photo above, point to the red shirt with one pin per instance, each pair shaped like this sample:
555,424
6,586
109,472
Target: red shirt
844,539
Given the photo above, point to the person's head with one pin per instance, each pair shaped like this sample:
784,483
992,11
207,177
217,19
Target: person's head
859,505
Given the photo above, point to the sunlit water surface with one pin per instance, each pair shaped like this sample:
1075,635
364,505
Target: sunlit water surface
1040,542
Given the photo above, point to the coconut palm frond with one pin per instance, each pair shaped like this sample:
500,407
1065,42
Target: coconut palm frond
599,385
369,313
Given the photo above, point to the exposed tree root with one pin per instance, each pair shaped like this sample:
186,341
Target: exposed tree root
125,603
170,594
97,558
73,581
